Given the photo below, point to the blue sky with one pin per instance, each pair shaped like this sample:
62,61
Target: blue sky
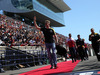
84,15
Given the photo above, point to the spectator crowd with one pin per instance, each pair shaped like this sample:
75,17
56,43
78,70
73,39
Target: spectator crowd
17,33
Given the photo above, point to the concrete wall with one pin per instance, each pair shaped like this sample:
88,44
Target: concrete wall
29,49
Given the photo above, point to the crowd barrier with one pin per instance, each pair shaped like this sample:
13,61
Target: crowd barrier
22,56
17,57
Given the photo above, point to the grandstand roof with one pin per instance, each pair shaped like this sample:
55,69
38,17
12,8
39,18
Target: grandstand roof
41,18
60,4
6,5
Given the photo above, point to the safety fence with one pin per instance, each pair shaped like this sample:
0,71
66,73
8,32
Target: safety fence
16,58
25,56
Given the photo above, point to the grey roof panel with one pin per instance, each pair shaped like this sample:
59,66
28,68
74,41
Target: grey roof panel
60,4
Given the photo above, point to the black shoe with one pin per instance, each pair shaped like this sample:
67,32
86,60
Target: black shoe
55,66
81,60
51,67
2,70
84,58
65,60
75,60
98,59
72,61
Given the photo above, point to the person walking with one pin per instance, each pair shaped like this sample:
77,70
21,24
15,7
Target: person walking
49,35
86,50
95,39
71,43
80,47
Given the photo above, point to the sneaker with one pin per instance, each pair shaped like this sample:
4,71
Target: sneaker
99,53
87,58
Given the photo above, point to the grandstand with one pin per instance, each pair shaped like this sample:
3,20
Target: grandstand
21,45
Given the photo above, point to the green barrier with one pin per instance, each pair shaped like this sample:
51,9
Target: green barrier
47,61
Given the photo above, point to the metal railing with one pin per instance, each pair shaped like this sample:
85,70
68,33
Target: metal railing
13,58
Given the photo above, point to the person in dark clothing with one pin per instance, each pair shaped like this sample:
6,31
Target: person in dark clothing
49,35
86,50
95,39
1,68
61,51
80,47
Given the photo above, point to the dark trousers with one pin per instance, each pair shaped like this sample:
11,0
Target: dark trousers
72,52
96,50
81,52
86,54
